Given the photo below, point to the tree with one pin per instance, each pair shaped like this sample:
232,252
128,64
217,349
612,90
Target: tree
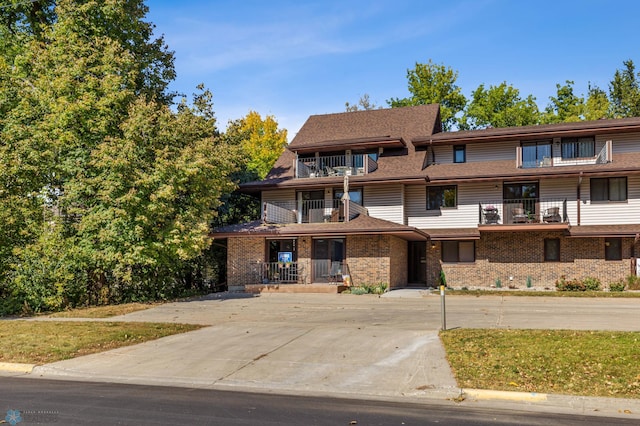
565,106
597,105
624,92
364,104
260,140
499,106
431,83
101,174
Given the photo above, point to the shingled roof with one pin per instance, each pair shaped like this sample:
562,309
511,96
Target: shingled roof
383,124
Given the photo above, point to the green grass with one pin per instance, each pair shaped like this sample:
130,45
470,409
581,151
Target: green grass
546,293
590,363
103,311
41,342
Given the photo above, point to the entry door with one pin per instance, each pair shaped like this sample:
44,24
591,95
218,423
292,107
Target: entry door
417,263
326,252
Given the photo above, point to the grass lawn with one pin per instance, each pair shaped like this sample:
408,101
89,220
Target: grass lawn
590,363
41,342
103,311
545,293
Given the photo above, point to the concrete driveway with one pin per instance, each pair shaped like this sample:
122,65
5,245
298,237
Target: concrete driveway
327,344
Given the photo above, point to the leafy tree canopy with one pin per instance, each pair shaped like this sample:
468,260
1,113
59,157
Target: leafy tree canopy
431,83
499,106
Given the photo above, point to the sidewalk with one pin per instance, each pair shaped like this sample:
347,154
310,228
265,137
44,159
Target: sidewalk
341,345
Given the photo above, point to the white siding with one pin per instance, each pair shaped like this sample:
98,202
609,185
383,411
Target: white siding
477,152
622,143
385,202
465,215
279,195
611,213
561,189
492,151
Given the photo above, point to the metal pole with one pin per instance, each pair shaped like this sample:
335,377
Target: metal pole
443,313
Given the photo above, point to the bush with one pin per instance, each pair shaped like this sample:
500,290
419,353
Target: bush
633,282
617,286
368,289
592,284
587,284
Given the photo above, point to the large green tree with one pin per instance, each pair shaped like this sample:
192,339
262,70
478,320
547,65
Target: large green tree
499,106
109,186
624,92
565,106
431,83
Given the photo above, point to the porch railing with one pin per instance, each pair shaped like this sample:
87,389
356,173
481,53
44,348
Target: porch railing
334,165
521,211
282,273
604,156
311,211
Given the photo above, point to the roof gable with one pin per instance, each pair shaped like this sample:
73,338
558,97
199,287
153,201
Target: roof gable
367,126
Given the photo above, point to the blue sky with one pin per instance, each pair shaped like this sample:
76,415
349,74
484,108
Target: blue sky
292,59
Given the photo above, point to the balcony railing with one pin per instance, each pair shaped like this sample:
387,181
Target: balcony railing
523,211
282,273
311,211
604,156
335,165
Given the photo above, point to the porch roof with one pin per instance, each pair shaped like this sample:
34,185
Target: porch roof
453,234
361,225
631,230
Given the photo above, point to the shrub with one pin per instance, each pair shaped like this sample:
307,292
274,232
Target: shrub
592,284
589,283
498,283
617,286
368,289
528,281
633,282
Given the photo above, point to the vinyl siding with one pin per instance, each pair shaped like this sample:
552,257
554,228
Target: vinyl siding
561,189
622,143
477,152
279,195
465,215
385,202
491,151
611,213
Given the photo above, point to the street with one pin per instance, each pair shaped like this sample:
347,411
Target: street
79,403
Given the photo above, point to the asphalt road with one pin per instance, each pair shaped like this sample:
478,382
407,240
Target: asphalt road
79,403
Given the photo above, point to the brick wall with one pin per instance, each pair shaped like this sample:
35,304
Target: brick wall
512,257
399,265
243,260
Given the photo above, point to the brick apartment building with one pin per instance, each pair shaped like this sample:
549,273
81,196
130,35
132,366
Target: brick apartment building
385,196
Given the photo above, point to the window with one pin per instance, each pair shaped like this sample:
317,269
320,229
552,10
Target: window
458,251
459,154
608,189
578,147
613,248
536,154
282,250
441,196
355,195
552,249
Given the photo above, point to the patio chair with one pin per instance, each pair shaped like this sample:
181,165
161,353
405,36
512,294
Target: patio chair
519,215
552,214
335,273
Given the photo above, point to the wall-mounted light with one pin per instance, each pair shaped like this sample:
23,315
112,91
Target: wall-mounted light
433,245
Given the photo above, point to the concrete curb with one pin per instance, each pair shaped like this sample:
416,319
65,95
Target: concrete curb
586,405
11,367
484,394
